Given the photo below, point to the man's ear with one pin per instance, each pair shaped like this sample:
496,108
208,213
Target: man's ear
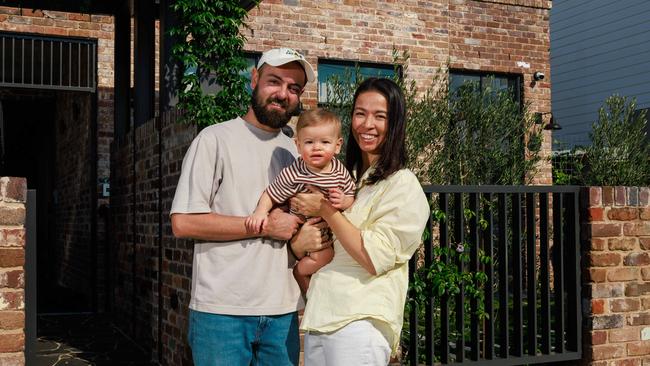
255,76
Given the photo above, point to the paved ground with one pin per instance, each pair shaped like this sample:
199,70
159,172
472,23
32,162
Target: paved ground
84,339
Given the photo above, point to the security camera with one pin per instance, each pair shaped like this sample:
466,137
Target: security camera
538,75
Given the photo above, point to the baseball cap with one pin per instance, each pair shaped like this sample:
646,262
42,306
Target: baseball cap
282,56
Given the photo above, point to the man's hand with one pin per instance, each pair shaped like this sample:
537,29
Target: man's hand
280,225
311,237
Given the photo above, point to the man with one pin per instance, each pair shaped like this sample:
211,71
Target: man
243,309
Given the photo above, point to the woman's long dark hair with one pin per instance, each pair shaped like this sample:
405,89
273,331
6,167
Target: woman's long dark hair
392,156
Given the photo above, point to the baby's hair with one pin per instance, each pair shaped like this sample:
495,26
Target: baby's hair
318,116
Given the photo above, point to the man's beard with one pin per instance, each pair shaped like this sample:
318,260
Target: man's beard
271,118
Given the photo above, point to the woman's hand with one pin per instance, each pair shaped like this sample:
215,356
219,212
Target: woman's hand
311,204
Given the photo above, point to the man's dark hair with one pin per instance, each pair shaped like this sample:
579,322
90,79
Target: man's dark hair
393,150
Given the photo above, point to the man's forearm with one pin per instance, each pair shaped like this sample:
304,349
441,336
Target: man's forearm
209,226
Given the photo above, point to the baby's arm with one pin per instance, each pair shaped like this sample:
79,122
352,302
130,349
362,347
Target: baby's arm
255,221
340,200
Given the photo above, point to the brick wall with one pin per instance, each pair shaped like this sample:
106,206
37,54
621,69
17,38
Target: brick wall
13,193
510,36
143,254
100,28
616,293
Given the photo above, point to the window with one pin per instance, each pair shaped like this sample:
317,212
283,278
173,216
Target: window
327,69
498,82
251,63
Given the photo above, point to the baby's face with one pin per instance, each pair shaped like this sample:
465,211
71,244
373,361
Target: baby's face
318,144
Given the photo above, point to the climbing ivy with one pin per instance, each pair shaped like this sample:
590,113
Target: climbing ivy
212,54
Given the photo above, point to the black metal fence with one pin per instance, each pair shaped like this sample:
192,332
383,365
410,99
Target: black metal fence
531,293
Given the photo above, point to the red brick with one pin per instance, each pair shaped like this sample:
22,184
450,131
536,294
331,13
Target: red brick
637,289
622,274
637,259
595,194
12,215
624,335
608,321
598,306
607,290
639,319
622,243
623,214
12,257
644,213
608,196
595,214
619,196
11,300
624,305
15,189
645,303
603,230
604,259
12,359
12,278
599,243
15,237
627,362
598,337
12,342
641,229
12,320
645,273
638,348
598,274
644,196
644,243
607,351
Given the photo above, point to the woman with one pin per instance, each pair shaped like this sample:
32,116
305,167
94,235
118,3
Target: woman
356,303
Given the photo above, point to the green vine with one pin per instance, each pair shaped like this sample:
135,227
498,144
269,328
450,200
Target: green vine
212,54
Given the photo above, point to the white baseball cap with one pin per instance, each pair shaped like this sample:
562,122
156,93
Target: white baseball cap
282,56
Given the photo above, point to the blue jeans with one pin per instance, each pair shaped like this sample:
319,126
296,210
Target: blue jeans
233,340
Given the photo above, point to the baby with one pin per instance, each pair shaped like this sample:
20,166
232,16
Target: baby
318,138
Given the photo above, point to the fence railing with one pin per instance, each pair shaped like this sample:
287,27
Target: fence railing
531,295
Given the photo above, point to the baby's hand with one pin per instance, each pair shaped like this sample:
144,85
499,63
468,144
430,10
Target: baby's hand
254,222
338,199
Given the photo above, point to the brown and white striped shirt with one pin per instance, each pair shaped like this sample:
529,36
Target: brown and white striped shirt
295,178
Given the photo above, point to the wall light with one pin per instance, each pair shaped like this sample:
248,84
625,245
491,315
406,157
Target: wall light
551,125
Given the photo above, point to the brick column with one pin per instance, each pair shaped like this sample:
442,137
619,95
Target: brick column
616,296
13,193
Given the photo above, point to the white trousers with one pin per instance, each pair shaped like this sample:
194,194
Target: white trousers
358,343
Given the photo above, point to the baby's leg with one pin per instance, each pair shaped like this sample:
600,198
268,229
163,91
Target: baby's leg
308,265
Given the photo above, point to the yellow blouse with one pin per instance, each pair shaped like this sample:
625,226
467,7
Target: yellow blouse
391,215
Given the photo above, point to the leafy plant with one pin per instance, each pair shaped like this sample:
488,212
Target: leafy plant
619,153
212,54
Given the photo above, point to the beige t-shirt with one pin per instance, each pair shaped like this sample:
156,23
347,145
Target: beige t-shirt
225,170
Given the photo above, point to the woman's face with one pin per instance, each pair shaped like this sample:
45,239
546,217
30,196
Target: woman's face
370,123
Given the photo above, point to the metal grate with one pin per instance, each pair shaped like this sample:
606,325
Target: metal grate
47,62
532,289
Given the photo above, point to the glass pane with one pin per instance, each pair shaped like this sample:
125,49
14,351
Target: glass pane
456,80
251,61
326,71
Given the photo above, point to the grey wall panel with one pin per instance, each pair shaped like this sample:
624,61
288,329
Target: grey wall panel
598,48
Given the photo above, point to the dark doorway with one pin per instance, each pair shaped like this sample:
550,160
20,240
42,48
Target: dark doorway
35,144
